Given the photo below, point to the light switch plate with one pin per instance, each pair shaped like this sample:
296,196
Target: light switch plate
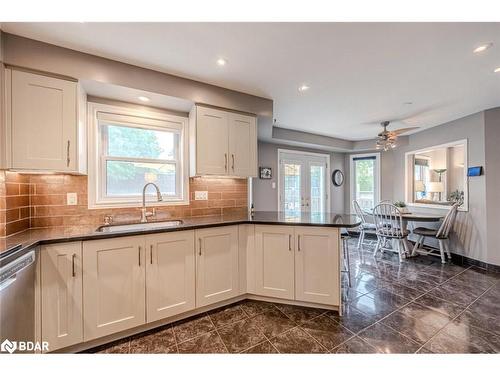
71,199
201,195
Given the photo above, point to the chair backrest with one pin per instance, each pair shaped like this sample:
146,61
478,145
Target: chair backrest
388,220
359,211
447,224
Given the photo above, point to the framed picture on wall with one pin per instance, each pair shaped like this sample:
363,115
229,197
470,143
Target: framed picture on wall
265,173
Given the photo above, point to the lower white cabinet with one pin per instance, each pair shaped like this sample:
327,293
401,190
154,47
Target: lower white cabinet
317,258
170,274
216,264
113,285
61,294
274,261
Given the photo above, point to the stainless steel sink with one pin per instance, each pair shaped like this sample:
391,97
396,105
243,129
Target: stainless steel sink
138,226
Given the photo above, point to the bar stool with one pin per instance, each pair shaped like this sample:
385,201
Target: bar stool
345,251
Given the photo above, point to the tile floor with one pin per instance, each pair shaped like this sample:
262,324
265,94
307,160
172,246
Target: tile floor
419,306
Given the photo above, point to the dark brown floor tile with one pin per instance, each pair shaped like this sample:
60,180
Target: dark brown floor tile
373,308
227,315
207,343
416,322
299,314
262,348
386,340
401,290
480,274
252,308
296,341
192,327
354,346
453,294
352,318
327,332
273,322
121,347
458,337
157,341
444,307
241,335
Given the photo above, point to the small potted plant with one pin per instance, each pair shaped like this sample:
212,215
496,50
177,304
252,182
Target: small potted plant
402,207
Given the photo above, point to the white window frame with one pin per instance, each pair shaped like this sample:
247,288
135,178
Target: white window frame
352,185
140,118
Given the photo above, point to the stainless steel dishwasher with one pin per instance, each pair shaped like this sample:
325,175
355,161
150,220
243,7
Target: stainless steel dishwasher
17,296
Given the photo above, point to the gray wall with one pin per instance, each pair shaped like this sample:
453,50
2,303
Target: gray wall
265,198
470,235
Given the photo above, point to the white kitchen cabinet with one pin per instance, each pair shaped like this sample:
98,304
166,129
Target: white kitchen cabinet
45,123
216,264
222,143
61,294
113,285
317,257
170,274
274,261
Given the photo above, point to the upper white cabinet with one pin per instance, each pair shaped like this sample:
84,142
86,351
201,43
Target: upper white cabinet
222,143
216,264
45,123
61,294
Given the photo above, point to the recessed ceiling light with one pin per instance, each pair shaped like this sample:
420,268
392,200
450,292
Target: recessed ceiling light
143,98
303,88
408,103
482,47
497,70
221,62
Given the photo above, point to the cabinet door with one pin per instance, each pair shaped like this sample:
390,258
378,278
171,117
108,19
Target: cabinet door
217,264
317,271
113,285
44,122
212,156
274,261
61,294
242,145
170,274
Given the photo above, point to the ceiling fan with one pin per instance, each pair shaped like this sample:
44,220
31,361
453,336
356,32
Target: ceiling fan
386,139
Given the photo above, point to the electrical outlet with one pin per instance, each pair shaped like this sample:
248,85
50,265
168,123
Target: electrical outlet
201,195
71,199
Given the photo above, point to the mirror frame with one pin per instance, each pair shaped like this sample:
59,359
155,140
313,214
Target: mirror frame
409,178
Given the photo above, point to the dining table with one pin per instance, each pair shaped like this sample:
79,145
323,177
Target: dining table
414,217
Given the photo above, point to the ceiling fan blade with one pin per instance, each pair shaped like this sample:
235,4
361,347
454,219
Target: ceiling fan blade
404,130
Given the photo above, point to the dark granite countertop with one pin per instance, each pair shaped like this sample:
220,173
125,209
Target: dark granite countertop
39,236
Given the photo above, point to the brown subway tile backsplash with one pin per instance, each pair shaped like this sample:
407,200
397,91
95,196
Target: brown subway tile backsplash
40,201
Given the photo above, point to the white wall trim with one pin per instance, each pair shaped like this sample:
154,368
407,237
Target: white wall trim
352,186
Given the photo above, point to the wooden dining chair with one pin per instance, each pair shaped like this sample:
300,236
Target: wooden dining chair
389,226
442,234
364,227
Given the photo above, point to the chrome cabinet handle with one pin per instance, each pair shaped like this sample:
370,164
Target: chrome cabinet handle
232,155
140,256
298,243
151,253
199,241
73,271
289,242
225,162
67,154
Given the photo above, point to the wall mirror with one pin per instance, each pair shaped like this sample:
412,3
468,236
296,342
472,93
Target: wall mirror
436,177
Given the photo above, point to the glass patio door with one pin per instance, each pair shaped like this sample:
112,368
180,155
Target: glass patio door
303,183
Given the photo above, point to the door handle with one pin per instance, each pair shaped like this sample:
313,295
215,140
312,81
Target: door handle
225,162
73,272
289,242
199,251
67,154
298,243
151,253
140,256
233,161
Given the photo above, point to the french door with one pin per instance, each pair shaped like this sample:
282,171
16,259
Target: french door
303,182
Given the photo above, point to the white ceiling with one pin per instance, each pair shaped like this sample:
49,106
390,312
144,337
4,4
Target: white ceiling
359,73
